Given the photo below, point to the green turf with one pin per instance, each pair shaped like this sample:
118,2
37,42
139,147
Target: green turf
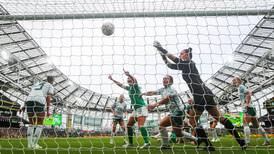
101,145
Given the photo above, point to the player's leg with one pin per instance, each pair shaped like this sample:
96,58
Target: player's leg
177,126
165,122
113,130
142,113
214,112
32,121
177,123
40,113
247,132
131,122
213,131
195,114
143,130
122,124
261,130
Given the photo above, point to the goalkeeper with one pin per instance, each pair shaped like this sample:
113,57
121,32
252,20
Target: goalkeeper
140,110
118,109
202,95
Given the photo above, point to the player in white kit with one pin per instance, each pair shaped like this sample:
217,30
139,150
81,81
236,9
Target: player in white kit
118,109
249,111
37,102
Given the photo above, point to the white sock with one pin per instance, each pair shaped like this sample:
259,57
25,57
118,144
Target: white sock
30,135
37,134
189,136
164,135
262,131
247,134
214,134
112,134
125,135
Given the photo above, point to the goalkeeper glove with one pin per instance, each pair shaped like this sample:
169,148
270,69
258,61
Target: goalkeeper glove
159,47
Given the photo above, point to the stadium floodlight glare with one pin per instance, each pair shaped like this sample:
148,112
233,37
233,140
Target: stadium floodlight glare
229,59
5,55
209,81
78,99
49,61
70,83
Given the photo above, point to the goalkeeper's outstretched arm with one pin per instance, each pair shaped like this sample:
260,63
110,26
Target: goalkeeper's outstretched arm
164,53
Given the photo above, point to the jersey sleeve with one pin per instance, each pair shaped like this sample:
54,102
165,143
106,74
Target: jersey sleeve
177,60
51,90
125,87
125,107
113,106
173,66
243,89
159,91
173,92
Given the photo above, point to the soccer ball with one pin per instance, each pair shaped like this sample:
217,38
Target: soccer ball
107,28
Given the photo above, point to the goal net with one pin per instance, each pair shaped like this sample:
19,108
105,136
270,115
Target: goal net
64,39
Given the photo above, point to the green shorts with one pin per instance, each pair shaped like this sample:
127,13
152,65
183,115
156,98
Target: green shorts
117,120
177,119
35,107
250,111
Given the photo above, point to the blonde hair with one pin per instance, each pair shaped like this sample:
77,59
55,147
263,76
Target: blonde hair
238,79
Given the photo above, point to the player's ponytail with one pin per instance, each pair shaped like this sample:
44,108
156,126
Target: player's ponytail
190,52
50,79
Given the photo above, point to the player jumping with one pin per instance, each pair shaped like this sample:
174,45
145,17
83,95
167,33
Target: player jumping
202,95
140,110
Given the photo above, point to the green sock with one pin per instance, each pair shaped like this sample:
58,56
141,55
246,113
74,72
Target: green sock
144,134
130,135
173,137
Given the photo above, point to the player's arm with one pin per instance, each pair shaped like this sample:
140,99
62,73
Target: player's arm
125,111
22,109
164,101
164,53
48,98
130,76
161,102
149,93
248,97
113,108
173,58
116,82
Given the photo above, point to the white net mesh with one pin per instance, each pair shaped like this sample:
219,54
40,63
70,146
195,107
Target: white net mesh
64,39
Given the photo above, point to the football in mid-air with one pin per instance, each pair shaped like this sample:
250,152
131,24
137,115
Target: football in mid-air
107,28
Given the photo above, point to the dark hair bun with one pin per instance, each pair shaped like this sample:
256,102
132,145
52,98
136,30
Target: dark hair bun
189,49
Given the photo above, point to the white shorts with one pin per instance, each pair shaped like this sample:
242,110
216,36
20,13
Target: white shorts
142,111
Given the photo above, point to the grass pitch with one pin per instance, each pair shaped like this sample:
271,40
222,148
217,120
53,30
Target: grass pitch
95,145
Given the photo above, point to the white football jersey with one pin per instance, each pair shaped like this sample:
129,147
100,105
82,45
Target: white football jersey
39,92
